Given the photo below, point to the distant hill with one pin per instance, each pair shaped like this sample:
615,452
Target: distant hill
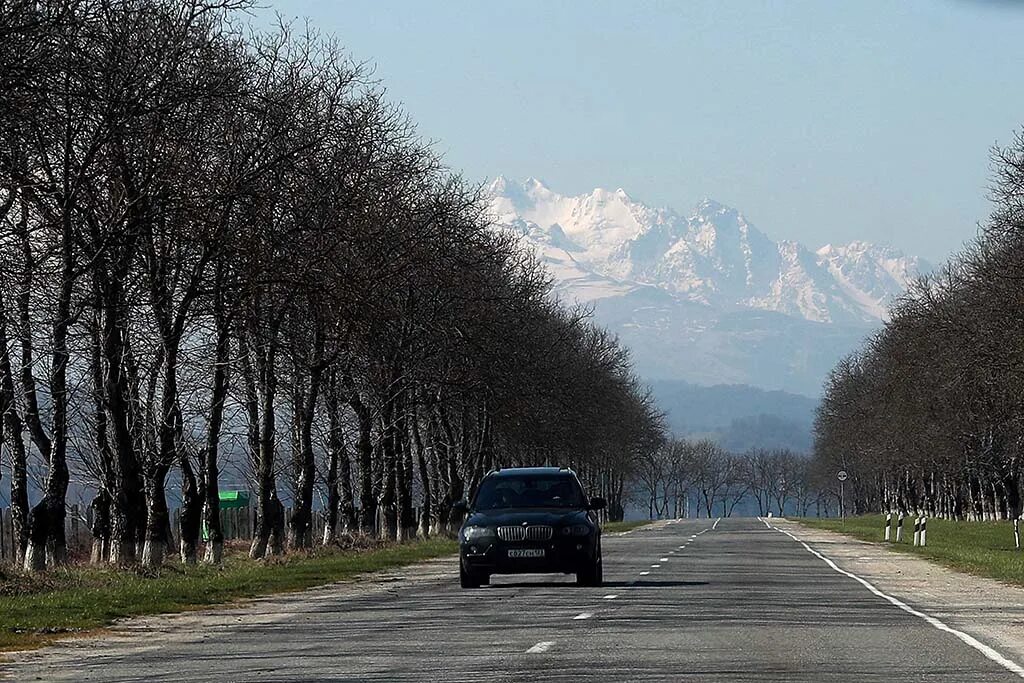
737,415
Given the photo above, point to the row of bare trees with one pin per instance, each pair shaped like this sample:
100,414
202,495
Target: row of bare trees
717,481
221,246
929,415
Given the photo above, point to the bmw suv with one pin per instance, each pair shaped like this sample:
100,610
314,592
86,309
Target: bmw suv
530,520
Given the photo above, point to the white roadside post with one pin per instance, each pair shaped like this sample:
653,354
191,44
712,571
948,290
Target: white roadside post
888,526
924,531
899,527
841,476
1016,533
917,531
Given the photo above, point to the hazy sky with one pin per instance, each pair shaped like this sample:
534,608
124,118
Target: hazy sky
822,121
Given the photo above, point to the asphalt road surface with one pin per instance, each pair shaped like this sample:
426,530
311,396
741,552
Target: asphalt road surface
683,601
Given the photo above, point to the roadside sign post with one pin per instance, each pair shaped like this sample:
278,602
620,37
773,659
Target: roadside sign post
842,476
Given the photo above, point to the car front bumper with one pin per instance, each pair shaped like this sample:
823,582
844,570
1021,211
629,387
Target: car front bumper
563,555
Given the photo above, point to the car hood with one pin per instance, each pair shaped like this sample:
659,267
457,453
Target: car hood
517,516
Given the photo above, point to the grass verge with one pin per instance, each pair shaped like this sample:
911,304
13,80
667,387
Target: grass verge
981,548
35,609
618,527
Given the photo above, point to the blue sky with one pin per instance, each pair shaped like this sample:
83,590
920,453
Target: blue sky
823,121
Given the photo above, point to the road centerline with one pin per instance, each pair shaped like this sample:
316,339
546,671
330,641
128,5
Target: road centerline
542,646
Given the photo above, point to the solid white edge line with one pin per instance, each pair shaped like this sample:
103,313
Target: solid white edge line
715,525
981,647
582,615
542,646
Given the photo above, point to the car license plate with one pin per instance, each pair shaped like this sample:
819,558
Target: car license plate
526,552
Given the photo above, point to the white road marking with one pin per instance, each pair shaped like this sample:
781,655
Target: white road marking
981,647
765,522
655,566
610,597
693,537
644,573
664,559
715,525
542,646
681,547
582,615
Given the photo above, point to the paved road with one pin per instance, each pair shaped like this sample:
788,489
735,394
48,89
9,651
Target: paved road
681,602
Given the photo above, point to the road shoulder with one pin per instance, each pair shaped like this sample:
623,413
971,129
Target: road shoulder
126,636
987,609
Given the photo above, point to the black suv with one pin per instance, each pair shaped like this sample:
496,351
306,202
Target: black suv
529,520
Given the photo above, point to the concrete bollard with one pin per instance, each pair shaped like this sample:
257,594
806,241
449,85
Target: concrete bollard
899,528
888,526
917,531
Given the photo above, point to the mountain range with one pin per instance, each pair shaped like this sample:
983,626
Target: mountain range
705,296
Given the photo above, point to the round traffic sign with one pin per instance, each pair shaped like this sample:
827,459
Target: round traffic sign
842,475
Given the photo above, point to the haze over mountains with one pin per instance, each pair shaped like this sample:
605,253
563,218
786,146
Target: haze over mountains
706,298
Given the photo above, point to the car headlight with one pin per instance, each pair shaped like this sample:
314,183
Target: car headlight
473,533
576,530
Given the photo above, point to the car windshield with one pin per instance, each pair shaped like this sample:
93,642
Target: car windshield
528,492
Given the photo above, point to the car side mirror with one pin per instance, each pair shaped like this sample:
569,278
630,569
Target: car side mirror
598,503
460,507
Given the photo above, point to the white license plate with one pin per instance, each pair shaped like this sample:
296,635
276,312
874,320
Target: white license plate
526,552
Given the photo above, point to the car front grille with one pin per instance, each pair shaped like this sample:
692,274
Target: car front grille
525,533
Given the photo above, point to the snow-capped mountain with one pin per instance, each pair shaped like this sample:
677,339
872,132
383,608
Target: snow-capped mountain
706,296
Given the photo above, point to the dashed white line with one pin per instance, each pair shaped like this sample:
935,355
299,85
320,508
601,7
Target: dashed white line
610,597
644,573
542,646
664,559
655,566
966,638
582,615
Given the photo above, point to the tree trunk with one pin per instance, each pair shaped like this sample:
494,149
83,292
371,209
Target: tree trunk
211,467
100,528
304,407
426,514
13,431
364,454
335,451
267,536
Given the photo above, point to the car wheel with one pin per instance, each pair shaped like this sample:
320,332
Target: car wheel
592,575
468,579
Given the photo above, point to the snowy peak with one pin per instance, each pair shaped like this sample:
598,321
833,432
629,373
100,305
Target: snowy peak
714,257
